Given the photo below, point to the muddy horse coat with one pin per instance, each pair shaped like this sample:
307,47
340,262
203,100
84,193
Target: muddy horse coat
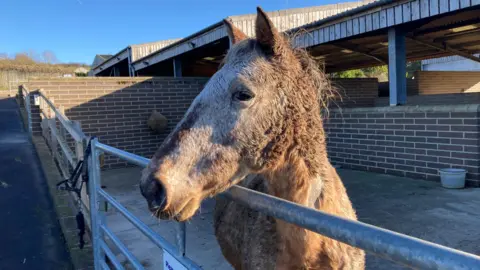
258,120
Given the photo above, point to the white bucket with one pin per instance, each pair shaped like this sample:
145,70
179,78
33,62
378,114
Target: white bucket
453,178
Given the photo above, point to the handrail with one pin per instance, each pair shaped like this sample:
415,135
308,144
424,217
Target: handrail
78,135
390,245
24,89
27,105
63,145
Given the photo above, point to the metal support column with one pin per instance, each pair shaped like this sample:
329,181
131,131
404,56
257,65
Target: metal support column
397,67
177,68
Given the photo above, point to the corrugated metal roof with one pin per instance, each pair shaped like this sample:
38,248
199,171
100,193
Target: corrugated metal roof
283,20
141,50
100,58
138,51
296,17
105,56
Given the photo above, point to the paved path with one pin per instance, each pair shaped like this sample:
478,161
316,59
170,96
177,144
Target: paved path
30,235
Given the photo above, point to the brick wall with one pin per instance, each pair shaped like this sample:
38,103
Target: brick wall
359,92
116,109
384,88
445,82
411,141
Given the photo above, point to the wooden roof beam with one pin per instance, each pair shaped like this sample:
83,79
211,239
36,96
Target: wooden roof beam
444,47
360,50
453,36
446,27
467,44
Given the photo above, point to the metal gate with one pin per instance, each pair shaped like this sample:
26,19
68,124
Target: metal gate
399,248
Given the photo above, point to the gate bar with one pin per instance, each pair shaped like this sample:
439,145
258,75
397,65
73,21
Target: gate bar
130,257
111,256
104,265
390,245
154,237
132,158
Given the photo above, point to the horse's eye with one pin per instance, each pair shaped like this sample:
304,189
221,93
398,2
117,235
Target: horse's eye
242,96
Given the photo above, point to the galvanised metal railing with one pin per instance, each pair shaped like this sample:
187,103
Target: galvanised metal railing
399,248
390,245
25,99
55,137
99,229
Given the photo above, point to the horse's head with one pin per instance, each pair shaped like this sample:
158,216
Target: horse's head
242,122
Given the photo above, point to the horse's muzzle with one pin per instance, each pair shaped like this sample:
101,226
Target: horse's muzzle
154,193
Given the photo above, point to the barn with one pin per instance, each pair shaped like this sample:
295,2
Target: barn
373,130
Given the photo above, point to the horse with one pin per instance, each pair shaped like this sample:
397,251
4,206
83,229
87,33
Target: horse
258,119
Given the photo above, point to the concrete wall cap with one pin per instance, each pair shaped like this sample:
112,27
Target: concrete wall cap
418,108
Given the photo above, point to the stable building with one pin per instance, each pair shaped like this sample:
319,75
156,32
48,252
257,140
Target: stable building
201,53
120,64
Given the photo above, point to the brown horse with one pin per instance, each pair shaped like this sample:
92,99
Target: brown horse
258,119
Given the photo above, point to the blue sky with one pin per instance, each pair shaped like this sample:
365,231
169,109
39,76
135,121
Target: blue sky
76,30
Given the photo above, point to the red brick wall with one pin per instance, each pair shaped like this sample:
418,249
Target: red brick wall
116,109
360,92
407,141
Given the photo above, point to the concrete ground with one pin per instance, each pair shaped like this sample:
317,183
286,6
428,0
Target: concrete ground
417,208
30,234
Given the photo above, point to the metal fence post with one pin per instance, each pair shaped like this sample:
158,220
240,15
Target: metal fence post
94,186
29,113
79,150
180,236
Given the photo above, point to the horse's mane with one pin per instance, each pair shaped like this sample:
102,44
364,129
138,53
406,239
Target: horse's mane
314,71
326,92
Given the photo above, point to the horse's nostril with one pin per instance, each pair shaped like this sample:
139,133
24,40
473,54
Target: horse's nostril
155,194
159,199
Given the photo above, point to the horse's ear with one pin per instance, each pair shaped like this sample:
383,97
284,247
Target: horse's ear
271,40
236,35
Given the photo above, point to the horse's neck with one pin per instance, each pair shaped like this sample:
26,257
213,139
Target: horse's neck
296,183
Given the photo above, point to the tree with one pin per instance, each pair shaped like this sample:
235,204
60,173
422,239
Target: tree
23,58
380,72
32,54
354,73
49,57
